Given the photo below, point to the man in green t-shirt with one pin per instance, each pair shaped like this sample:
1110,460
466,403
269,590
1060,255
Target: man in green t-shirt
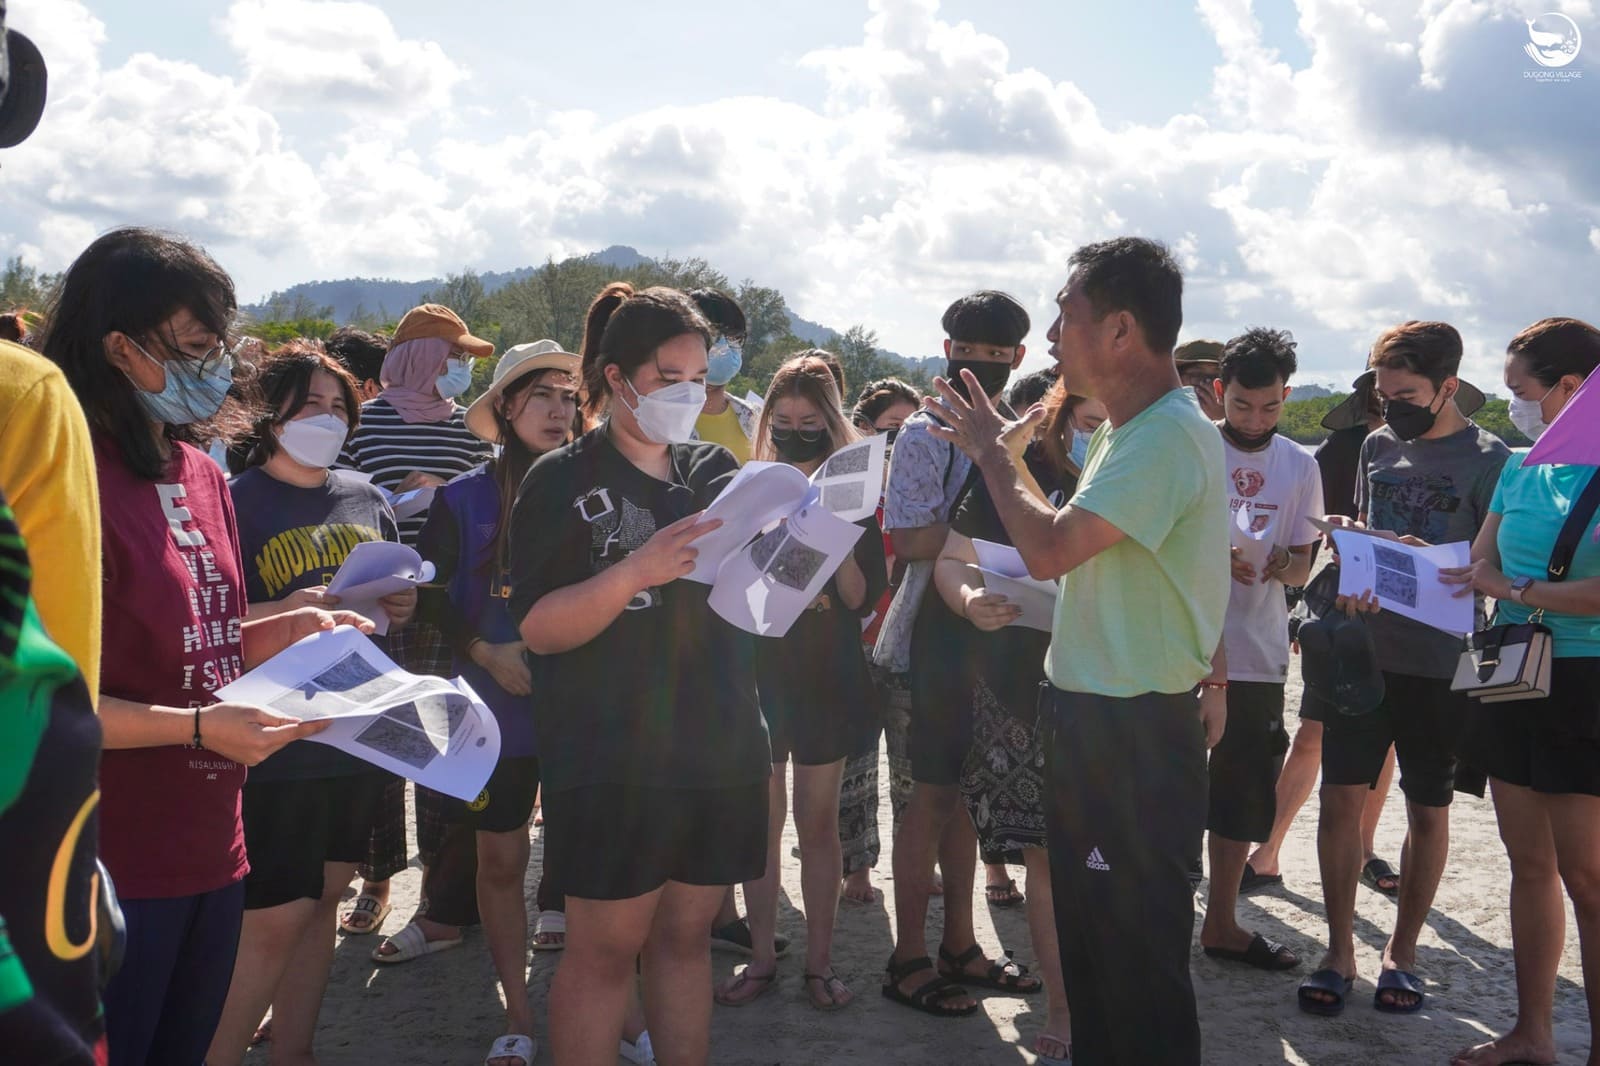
1142,554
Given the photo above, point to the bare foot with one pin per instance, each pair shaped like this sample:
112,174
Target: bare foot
1343,967
1053,1046
1399,998
1513,1047
431,930
858,886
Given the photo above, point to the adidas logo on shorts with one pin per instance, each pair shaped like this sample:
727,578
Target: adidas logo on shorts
1097,861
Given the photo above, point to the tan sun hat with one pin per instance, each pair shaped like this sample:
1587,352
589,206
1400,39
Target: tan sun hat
519,360
438,321
1352,411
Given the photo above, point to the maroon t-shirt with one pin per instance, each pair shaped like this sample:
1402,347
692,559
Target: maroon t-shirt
174,604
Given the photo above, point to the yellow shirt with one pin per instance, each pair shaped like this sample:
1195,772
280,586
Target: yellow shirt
724,429
47,474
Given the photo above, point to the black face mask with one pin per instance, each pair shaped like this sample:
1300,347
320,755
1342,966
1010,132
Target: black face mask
888,437
991,377
1249,444
800,445
1409,420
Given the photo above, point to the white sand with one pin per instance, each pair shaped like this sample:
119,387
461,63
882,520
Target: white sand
447,1008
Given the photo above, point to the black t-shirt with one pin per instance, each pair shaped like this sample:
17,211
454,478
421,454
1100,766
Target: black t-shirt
819,666
293,538
1010,660
1339,459
665,696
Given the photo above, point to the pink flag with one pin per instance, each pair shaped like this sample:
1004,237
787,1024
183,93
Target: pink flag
1574,437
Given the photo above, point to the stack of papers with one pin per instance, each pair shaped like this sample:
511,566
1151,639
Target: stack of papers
1004,572
375,569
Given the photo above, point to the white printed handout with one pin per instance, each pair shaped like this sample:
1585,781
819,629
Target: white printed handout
1406,579
410,504
375,569
845,489
753,400
1252,533
434,732
1004,572
765,586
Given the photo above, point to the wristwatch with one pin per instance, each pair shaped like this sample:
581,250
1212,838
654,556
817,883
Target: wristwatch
1519,589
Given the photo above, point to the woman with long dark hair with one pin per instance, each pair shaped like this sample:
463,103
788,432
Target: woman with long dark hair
141,331
653,754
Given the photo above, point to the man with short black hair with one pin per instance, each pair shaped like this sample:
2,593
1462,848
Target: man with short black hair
1274,493
362,354
725,419
1141,551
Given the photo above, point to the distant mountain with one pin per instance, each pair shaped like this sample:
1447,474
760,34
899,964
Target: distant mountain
1311,392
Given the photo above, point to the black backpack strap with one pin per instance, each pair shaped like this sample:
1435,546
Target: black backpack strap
1572,532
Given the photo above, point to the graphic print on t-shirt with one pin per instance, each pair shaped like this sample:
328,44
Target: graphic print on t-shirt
1249,483
615,532
293,553
1420,505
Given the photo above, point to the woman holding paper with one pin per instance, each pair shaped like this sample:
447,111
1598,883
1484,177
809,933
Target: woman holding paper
1002,780
141,331
816,695
1543,755
650,731
309,809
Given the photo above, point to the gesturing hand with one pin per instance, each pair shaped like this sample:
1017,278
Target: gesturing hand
975,426
669,554
247,734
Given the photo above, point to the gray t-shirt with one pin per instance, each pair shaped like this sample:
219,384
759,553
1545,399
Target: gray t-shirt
1438,490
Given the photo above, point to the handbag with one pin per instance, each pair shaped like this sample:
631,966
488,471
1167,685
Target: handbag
1510,662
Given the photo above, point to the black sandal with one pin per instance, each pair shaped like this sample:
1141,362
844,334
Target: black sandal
1003,975
1005,895
928,997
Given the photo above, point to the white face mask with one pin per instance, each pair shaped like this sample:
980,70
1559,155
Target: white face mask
667,416
1528,415
314,441
456,379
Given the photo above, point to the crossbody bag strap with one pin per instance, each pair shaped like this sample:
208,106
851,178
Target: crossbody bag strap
1572,532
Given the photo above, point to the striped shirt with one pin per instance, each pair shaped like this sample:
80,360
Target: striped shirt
389,448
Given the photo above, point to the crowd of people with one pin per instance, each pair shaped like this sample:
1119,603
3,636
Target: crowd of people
176,502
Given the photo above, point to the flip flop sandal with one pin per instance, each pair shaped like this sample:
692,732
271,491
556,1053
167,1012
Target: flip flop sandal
1044,1058
1399,981
1005,895
513,1046
828,981
1003,975
1329,982
1377,871
412,943
928,997
735,937
550,923
1262,953
372,911
639,1052
767,982
1254,882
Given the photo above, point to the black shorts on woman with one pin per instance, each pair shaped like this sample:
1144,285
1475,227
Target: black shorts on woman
660,704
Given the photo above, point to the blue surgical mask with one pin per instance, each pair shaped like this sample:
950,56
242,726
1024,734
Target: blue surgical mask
1080,447
456,379
723,362
191,394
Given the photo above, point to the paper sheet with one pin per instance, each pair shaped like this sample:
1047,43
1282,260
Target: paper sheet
1004,572
435,732
851,481
1253,532
355,475
409,504
1405,579
375,569
758,495
764,588
754,401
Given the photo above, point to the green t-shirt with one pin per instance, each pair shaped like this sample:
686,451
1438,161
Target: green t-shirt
1146,614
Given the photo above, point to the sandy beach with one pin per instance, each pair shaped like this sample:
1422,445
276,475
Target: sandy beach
445,1009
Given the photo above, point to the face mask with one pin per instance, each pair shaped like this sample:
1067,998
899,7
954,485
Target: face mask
1249,444
991,377
888,437
667,416
1080,447
456,379
1408,420
723,362
190,394
800,445
314,441
1528,415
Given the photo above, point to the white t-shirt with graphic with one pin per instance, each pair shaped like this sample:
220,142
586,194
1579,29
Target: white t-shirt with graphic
1277,489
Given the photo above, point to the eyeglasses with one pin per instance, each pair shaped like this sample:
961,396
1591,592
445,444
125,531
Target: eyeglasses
217,355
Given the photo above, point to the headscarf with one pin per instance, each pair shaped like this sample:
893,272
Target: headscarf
410,378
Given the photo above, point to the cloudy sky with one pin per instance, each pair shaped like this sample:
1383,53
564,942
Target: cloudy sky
1330,166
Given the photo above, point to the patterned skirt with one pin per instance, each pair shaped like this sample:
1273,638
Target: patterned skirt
1002,780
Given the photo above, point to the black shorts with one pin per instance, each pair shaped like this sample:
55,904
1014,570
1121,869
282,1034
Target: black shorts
506,802
292,827
1421,717
1547,745
622,841
1314,708
1245,763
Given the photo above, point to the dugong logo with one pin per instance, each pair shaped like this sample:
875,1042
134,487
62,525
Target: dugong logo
1553,40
